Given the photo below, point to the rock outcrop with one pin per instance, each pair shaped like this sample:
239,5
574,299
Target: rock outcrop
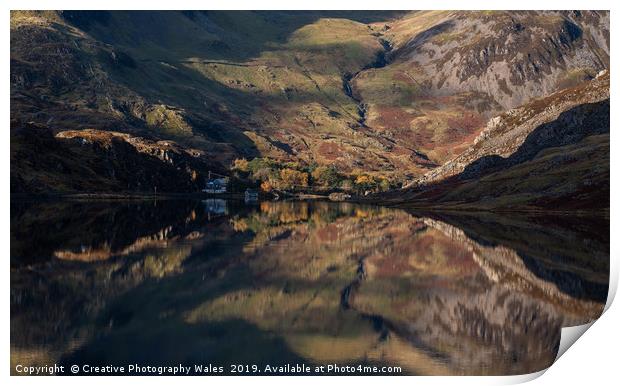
102,161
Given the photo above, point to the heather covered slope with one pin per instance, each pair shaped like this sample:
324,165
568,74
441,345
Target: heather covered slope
389,94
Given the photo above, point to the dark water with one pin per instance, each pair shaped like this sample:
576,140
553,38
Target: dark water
220,283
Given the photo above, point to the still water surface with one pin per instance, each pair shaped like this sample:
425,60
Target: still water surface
216,282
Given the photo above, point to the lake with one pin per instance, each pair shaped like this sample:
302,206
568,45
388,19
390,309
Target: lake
220,283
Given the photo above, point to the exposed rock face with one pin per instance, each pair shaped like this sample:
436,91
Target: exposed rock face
510,56
449,72
166,151
505,134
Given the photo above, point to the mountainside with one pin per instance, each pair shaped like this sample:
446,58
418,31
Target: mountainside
391,95
451,71
552,153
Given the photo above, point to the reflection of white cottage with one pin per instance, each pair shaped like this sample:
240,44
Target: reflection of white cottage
216,185
215,206
251,195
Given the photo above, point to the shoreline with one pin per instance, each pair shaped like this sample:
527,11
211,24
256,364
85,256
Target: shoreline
409,206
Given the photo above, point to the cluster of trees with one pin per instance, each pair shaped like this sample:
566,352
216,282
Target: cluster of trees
273,175
293,176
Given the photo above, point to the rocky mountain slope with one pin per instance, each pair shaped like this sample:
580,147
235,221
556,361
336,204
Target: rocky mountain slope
451,71
391,94
506,133
551,153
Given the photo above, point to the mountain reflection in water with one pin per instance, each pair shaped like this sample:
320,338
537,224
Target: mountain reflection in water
174,281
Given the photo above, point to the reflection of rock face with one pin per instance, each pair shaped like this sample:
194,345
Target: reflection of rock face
488,331
314,282
505,267
158,239
441,300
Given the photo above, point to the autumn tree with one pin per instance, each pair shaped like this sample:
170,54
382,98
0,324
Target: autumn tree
346,185
240,164
384,184
266,186
325,176
292,178
364,182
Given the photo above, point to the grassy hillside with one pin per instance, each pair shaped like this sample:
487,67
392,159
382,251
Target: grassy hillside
385,94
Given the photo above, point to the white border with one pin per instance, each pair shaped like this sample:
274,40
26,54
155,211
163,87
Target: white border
594,361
